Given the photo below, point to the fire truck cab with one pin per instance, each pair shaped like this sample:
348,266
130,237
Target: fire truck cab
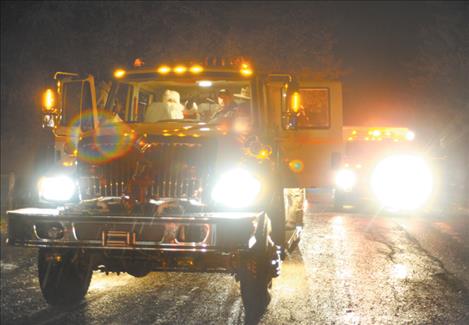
178,168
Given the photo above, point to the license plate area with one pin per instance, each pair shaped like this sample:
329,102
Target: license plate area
115,238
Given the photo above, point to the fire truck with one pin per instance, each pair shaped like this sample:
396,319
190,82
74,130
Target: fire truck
177,167
384,168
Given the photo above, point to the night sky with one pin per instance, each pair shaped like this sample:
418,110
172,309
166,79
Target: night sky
401,63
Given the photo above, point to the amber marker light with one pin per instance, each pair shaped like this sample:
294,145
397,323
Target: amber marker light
48,100
245,70
295,102
180,69
164,69
196,69
119,73
263,154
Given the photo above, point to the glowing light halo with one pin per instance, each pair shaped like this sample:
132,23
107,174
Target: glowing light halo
296,165
402,182
112,140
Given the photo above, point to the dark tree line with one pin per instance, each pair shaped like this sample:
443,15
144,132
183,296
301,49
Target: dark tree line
440,82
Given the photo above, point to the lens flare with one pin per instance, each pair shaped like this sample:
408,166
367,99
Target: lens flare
112,140
402,182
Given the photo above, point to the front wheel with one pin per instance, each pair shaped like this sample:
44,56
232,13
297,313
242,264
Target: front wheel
255,275
254,293
64,276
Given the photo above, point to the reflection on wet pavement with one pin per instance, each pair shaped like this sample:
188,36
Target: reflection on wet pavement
349,269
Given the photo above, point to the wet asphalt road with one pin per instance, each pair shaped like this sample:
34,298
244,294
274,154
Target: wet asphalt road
349,269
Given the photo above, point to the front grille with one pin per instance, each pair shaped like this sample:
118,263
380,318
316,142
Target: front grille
94,231
176,170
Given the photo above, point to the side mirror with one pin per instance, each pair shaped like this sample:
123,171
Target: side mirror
50,110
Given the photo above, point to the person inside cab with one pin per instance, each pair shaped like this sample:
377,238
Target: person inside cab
169,109
228,107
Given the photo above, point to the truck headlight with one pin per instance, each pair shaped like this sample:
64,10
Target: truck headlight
345,179
56,188
402,182
236,189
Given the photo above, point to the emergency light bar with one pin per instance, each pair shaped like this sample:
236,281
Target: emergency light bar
377,134
244,69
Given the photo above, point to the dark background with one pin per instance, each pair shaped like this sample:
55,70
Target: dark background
401,63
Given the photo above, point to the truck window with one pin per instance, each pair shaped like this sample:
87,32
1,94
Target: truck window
121,102
76,100
315,109
151,101
86,109
314,112
143,101
71,101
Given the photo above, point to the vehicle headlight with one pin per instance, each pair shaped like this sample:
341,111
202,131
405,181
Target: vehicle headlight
345,179
402,182
236,189
57,188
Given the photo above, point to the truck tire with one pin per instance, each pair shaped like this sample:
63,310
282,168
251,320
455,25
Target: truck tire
256,276
255,294
339,200
64,276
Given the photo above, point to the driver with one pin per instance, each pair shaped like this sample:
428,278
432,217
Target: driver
226,103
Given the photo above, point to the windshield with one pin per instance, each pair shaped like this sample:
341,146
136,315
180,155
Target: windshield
153,101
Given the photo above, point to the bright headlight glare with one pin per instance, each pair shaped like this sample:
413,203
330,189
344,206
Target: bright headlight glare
346,179
402,182
236,189
58,188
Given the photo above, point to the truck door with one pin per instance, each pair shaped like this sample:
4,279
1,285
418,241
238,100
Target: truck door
309,131
77,114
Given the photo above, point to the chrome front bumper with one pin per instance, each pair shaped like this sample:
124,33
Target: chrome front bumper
194,232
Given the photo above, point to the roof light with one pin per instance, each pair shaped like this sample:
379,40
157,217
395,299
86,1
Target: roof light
204,83
376,133
196,69
246,71
119,73
138,63
180,69
164,69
